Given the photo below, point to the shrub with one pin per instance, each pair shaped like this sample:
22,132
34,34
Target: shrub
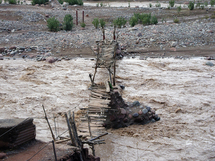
102,23
68,22
158,5
206,3
12,1
150,5
212,2
119,22
176,20
191,5
97,5
39,2
95,22
146,19
53,24
83,25
129,5
198,4
202,7
133,21
154,20
172,3
73,2
0,1
212,16
101,4
178,9
60,1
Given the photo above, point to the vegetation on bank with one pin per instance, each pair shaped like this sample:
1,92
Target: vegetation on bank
144,18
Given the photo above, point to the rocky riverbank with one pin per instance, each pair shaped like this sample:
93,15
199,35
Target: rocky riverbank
24,32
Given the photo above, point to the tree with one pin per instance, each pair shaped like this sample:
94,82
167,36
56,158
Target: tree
53,24
172,3
68,22
102,23
95,22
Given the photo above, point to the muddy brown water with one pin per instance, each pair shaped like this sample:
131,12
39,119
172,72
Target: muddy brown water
181,92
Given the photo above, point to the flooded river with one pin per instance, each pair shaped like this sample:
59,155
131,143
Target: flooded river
181,92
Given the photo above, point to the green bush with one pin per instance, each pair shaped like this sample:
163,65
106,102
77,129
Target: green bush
172,3
95,22
73,2
191,5
154,20
119,22
206,3
176,20
145,19
150,5
101,4
39,2
0,1
102,23
198,4
83,25
202,7
12,1
60,1
178,9
133,21
68,22
212,2
53,24
158,5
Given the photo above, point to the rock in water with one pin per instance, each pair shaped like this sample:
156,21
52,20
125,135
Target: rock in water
50,60
136,103
209,64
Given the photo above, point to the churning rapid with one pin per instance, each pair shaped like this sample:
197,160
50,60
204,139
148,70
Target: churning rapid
181,92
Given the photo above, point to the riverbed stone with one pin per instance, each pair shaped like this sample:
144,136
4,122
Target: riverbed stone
135,115
209,64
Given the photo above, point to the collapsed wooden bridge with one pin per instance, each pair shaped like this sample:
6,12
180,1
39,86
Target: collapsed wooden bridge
94,116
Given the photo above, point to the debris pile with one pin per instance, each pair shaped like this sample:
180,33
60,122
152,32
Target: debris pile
123,114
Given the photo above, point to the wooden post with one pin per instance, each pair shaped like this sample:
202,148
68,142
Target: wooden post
114,31
76,17
110,75
114,73
96,63
69,128
48,123
90,75
76,136
55,126
88,120
103,30
55,156
83,17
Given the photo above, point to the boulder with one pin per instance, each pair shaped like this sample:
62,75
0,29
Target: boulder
50,59
2,50
3,155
